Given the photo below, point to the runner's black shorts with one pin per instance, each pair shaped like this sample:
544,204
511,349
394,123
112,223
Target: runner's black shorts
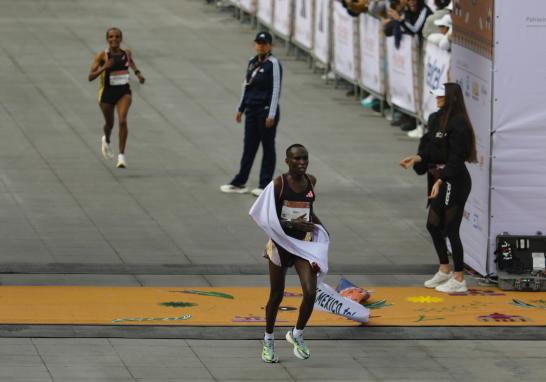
112,94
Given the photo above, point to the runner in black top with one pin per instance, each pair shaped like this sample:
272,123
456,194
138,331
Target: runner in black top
112,65
294,195
443,151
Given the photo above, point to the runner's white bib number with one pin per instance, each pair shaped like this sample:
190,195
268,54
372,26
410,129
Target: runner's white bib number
120,77
293,210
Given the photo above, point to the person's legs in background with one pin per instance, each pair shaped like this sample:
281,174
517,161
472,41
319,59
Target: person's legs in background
251,144
269,154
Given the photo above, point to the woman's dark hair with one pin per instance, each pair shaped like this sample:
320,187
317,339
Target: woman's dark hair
441,4
454,105
420,5
114,29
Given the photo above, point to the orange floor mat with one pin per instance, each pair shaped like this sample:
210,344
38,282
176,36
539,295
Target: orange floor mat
199,306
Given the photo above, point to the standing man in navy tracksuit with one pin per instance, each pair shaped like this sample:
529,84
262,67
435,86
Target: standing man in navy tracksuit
260,103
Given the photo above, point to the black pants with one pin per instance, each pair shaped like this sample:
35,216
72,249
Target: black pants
256,133
444,219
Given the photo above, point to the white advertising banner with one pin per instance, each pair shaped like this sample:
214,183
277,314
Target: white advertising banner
518,194
371,54
282,18
401,75
248,5
473,72
344,42
321,35
265,12
303,23
436,62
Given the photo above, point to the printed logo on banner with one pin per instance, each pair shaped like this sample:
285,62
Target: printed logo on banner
475,91
434,74
473,219
476,222
467,86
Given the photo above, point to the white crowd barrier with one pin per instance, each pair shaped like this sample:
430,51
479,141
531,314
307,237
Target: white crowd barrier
283,18
303,24
248,6
357,50
264,12
436,65
372,55
400,70
345,63
321,29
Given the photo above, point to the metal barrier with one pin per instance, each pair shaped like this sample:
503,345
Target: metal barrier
356,50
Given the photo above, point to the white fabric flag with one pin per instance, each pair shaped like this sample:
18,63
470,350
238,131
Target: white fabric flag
264,213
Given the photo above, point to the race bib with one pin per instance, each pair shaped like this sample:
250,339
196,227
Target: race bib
119,77
292,210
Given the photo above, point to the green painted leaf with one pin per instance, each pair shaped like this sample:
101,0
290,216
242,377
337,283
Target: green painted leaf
178,304
212,294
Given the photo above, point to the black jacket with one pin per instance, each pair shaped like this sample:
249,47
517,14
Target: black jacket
414,23
262,86
451,148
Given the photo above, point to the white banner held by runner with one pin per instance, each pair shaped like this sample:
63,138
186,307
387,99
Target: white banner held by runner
436,62
282,18
321,40
518,196
400,70
343,36
371,57
328,300
303,23
248,5
265,12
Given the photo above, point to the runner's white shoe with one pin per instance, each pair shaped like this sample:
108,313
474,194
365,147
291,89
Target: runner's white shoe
121,161
452,286
438,279
257,191
105,148
300,349
231,189
268,352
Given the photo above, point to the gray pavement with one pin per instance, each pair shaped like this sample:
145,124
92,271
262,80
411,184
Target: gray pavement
66,210
116,360
64,204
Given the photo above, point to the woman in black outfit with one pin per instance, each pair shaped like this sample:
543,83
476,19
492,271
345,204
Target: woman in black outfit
442,153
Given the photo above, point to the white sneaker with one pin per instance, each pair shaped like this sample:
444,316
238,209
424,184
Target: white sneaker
328,76
121,161
417,132
452,286
231,189
438,279
257,191
105,148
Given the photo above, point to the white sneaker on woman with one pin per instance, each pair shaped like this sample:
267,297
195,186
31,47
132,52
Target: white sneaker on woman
452,286
438,279
121,161
105,148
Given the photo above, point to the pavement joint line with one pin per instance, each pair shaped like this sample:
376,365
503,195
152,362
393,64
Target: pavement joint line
205,269
536,333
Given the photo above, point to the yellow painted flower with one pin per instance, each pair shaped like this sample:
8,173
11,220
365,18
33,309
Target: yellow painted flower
424,299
